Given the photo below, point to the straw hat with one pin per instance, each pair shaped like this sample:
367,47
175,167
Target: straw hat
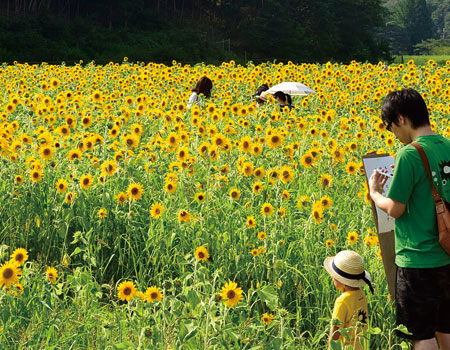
263,96
348,268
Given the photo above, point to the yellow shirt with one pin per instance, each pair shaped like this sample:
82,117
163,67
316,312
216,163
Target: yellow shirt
351,307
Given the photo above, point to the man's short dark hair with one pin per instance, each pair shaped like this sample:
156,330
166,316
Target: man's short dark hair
407,102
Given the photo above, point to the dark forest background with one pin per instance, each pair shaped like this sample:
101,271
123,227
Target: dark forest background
213,31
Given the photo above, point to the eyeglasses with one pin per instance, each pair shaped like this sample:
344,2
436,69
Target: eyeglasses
388,126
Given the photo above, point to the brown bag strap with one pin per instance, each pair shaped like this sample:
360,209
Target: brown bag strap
423,156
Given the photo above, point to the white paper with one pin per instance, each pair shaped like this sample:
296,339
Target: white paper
385,222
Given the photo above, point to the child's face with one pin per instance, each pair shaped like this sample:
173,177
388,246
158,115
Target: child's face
339,286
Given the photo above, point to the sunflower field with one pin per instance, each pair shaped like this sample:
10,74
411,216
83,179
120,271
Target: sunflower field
131,222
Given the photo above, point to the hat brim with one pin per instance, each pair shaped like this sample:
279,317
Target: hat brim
349,282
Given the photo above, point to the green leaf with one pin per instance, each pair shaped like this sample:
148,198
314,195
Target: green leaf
193,298
403,329
336,345
124,345
374,330
269,295
277,343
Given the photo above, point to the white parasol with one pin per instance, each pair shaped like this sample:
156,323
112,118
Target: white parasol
292,88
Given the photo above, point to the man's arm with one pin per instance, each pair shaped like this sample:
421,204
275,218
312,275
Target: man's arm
389,206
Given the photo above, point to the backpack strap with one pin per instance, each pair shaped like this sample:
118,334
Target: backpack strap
426,165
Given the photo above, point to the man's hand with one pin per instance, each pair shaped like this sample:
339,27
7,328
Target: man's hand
377,182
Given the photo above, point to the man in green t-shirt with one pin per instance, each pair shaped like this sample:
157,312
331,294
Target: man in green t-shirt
423,266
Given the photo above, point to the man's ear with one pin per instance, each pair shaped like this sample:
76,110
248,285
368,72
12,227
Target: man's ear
402,120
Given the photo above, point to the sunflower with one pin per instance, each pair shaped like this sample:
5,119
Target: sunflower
317,214
262,235
325,181
251,222
126,290
52,274
257,187
201,197
201,253
259,173
257,150
329,243
36,175
102,213
70,196
275,140
267,318
109,167
267,209
156,210
326,202
235,194
338,154
61,186
246,144
9,273
285,194
254,252
184,216
121,198
46,152
19,179
170,187
19,256
307,160
130,141
352,237
231,293
152,294
286,174
135,191
352,168
75,154
86,181
219,140
247,169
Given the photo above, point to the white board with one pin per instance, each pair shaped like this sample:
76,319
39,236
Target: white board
385,223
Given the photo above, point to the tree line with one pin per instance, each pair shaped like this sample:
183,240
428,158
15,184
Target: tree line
192,31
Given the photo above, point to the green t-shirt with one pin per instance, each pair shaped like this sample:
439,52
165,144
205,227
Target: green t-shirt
416,236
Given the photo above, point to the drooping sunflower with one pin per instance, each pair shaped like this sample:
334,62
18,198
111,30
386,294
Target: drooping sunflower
247,169
52,274
156,210
109,167
184,216
257,187
135,191
61,186
317,214
152,294
201,253
246,144
126,290
86,181
231,293
267,209
70,196
19,256
325,181
9,273
267,318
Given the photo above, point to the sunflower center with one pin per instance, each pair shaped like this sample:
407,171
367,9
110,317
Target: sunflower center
8,273
135,191
127,291
201,255
35,175
154,295
46,152
231,294
275,139
19,257
85,182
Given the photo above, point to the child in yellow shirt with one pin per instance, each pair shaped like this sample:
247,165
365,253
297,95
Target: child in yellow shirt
347,270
